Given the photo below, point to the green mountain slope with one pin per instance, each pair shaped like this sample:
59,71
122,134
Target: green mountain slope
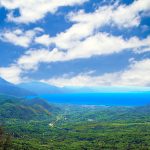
12,107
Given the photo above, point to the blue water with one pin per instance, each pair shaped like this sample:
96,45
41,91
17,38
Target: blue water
110,99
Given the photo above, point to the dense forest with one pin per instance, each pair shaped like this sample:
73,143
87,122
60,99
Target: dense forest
36,124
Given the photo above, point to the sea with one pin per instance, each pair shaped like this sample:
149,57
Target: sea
107,99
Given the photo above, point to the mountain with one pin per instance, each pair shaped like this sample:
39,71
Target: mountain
40,88
43,88
8,88
41,105
19,108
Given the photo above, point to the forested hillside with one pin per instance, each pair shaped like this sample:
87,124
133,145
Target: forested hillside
35,124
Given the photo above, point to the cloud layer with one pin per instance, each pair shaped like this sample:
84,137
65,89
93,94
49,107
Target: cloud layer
85,38
19,37
34,10
137,74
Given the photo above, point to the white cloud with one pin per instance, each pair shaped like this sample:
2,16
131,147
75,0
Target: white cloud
44,40
99,44
121,15
33,58
11,73
85,30
104,44
34,10
81,40
129,16
19,37
137,74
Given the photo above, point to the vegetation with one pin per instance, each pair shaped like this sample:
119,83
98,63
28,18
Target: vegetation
5,140
18,108
42,126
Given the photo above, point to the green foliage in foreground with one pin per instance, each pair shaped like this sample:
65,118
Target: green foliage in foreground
96,136
5,140
78,128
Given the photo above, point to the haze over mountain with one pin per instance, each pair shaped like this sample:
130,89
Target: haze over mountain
40,88
44,88
8,88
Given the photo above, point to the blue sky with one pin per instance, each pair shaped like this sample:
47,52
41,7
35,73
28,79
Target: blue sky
75,42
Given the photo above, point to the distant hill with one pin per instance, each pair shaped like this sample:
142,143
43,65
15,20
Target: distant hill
40,88
41,105
18,108
43,88
8,88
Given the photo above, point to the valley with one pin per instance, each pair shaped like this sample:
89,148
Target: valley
76,127
39,123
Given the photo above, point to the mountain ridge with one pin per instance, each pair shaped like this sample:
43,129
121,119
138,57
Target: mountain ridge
20,108
8,88
40,87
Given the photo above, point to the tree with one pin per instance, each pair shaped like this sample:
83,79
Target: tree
5,140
